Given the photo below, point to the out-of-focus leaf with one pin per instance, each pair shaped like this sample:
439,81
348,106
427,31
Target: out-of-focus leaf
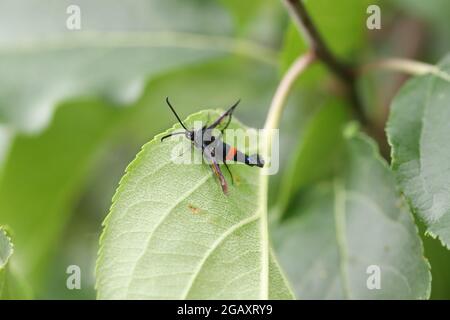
11,286
317,151
242,11
338,230
214,84
439,258
41,174
42,62
293,47
6,250
236,77
418,131
262,21
173,234
431,10
435,15
6,136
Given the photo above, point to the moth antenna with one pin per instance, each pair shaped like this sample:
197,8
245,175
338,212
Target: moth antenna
171,134
176,115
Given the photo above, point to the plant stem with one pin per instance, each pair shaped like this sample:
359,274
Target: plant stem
284,88
272,122
306,26
407,66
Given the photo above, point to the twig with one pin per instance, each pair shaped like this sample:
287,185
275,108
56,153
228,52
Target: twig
304,22
407,66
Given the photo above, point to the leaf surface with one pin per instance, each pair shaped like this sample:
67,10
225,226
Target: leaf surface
339,231
316,150
172,234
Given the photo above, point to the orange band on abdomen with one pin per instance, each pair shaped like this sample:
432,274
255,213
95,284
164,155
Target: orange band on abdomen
231,153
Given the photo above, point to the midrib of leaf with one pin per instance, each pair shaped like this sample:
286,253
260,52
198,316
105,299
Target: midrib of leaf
219,240
340,227
266,144
413,67
262,216
243,47
164,216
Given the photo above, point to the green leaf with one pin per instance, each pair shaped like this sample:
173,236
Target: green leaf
316,151
11,286
242,11
171,232
43,174
339,229
418,131
439,258
43,63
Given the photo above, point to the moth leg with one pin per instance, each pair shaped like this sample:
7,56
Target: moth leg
219,174
216,170
229,171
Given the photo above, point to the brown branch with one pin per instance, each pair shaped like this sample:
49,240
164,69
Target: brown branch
344,72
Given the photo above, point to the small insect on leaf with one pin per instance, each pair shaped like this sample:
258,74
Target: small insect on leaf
194,209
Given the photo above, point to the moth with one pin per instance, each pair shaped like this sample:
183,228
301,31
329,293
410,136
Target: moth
215,151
